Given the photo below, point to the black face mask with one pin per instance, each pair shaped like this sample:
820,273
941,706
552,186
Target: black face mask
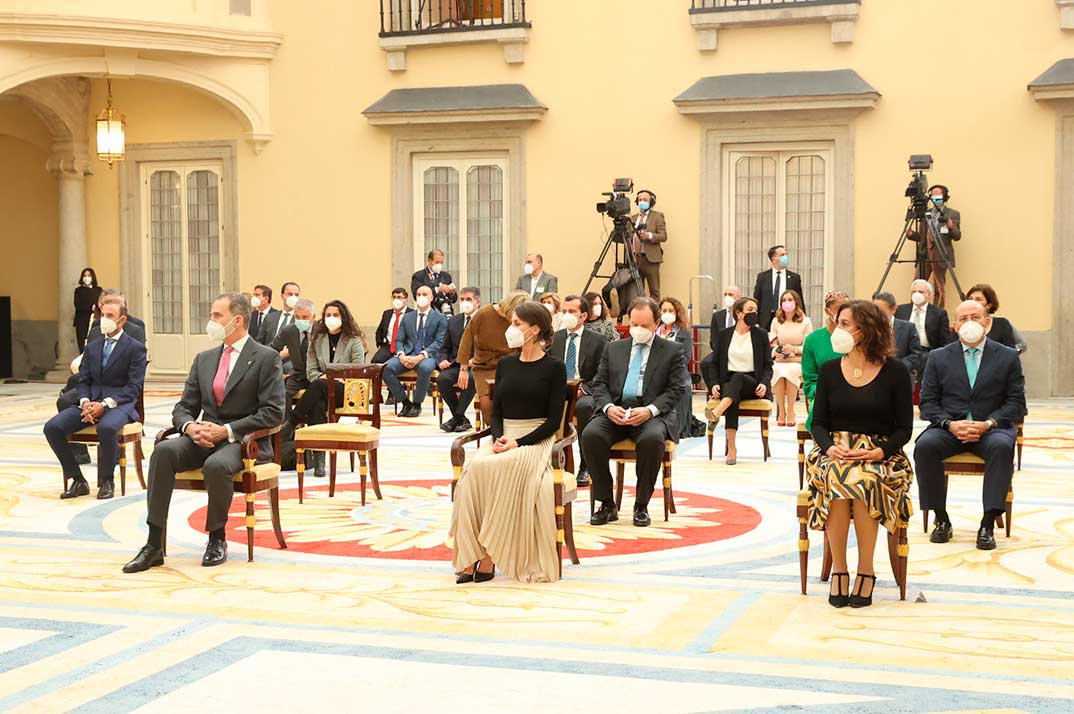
750,318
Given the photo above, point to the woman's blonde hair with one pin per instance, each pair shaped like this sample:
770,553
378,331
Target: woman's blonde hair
511,301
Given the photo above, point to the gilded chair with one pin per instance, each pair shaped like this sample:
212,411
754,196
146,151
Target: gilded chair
361,385
130,434
747,408
409,380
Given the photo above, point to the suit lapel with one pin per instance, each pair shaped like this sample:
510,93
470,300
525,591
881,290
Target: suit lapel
120,346
987,362
244,360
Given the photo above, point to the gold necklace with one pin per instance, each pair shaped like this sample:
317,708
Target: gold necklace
856,372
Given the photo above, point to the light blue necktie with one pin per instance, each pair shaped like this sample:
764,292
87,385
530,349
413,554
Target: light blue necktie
572,356
971,370
109,345
630,387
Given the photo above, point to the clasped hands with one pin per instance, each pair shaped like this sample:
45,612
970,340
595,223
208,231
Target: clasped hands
503,444
92,411
968,431
410,361
634,417
206,434
842,453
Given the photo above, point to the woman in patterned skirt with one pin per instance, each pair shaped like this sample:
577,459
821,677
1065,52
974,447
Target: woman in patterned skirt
862,417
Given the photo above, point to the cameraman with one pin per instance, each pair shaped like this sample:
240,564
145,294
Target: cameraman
650,231
930,261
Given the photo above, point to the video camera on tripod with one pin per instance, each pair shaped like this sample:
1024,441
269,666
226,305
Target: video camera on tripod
625,275
617,207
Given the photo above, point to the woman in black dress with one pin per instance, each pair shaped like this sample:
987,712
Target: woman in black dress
86,295
1002,331
862,417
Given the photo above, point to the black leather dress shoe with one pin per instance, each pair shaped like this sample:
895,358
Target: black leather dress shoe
605,514
941,533
148,557
985,540
415,411
462,426
583,478
106,490
77,488
449,425
215,552
642,519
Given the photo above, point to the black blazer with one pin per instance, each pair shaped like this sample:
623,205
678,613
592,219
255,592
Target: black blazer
762,357
1003,332
382,337
133,327
998,393
256,319
269,327
450,349
663,385
718,325
590,349
937,325
292,339
767,303
434,281
907,345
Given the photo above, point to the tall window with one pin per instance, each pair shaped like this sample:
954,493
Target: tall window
460,207
779,197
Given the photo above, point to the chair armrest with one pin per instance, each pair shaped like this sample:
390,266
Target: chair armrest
558,456
458,454
249,442
162,435
261,433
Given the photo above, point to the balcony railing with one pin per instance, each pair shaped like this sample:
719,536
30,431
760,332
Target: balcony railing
421,17
699,6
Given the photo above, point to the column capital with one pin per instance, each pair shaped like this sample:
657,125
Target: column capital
69,160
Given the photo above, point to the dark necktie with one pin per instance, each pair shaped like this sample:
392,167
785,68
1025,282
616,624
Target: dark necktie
109,345
776,291
421,333
572,356
305,344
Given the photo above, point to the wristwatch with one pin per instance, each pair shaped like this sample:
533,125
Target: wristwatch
992,424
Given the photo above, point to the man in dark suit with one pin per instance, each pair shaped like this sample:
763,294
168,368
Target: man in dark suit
110,381
388,329
457,401
263,309
933,328
650,234
232,390
535,280
274,322
438,280
907,343
637,388
581,350
973,396
420,337
930,261
722,319
295,340
774,282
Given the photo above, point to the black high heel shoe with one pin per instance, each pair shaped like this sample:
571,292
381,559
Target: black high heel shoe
465,577
480,577
838,600
856,600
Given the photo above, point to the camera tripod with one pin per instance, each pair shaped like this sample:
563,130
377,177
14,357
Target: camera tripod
927,226
622,235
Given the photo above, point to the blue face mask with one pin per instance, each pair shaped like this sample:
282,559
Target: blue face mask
784,261
643,205
938,200
303,325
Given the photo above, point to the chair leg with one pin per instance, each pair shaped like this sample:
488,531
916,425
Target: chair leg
374,474
893,554
300,467
592,502
826,562
139,457
352,462
1018,448
710,435
925,518
274,503
122,469
620,471
164,539
363,470
764,438
250,527
803,543
801,464
332,474
1010,508
904,556
568,532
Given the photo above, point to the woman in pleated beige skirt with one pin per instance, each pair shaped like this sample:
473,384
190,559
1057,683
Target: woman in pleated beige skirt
504,513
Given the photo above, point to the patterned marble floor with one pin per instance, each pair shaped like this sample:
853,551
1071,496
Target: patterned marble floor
702,614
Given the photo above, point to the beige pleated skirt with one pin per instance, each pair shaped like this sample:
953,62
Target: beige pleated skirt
504,509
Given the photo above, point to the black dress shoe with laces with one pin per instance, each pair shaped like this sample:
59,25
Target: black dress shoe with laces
463,425
215,552
941,533
641,518
583,478
985,540
148,557
449,425
106,490
78,487
604,515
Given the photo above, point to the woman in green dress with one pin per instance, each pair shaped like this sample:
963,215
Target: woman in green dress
818,348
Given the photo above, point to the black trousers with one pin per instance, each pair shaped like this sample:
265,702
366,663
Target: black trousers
383,355
597,440
710,374
67,399
583,413
312,408
740,387
457,402
996,448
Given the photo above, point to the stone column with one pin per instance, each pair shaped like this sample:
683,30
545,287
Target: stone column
70,165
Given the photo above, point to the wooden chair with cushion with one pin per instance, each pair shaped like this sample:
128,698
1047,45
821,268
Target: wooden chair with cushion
361,387
898,548
253,479
409,380
130,434
747,408
564,490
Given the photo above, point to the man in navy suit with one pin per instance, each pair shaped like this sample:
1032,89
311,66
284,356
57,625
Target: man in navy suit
421,337
973,396
110,381
457,400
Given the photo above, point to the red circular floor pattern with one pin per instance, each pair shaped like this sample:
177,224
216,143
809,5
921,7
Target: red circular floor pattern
411,522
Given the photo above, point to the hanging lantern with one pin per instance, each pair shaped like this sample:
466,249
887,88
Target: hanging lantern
111,133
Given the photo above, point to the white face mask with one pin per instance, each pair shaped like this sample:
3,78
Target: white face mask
87,281
291,301
423,301
333,323
255,302
918,298
550,307
397,304
568,321
108,326
641,334
515,337
218,332
728,301
971,332
437,267
668,318
596,309
467,306
842,341
528,269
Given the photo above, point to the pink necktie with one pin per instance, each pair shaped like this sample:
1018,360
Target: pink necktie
221,375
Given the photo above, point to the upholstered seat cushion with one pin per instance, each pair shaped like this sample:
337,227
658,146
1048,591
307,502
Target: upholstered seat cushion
132,429
964,458
412,376
337,432
263,471
298,394
628,445
755,405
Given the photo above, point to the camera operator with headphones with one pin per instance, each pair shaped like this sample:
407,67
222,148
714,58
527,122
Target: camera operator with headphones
650,232
930,261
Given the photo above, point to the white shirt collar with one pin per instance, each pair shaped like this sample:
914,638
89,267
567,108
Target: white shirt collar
979,348
114,337
240,343
577,330
426,311
266,310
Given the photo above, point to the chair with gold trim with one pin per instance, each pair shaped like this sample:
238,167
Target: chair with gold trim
409,380
898,548
130,434
361,385
253,479
804,435
624,452
564,490
747,408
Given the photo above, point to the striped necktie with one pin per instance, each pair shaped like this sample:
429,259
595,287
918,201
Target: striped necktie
109,345
572,355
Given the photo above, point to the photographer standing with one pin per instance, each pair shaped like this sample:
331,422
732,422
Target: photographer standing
930,260
650,231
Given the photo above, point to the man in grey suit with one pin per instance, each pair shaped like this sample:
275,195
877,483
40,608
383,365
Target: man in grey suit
536,281
907,344
232,390
421,337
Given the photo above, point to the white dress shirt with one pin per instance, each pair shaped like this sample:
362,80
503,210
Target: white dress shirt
645,352
740,353
417,323
534,279
237,346
286,318
107,401
781,274
917,316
